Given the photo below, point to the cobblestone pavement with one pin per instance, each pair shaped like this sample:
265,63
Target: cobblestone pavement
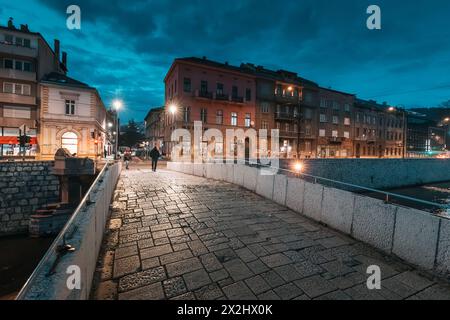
175,236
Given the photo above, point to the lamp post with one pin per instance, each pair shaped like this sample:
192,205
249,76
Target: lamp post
117,105
173,110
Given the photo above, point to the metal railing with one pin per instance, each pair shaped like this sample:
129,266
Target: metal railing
60,245
387,196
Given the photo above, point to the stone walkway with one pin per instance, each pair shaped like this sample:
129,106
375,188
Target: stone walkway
175,236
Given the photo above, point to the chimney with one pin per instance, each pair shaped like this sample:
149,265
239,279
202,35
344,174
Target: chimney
11,23
64,58
57,51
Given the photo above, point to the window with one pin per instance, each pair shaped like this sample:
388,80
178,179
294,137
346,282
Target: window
278,125
308,114
219,90
8,87
295,127
186,114
287,127
322,133
248,120
323,103
175,86
234,119
347,121
264,124
70,107
336,105
264,107
308,97
234,92
27,66
187,84
334,133
335,120
323,118
219,117
279,90
8,64
27,43
17,88
248,94
308,130
18,65
19,41
69,141
346,107
357,132
9,39
204,86
17,112
347,134
203,115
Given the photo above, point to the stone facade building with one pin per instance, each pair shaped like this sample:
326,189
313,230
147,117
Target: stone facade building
72,116
154,127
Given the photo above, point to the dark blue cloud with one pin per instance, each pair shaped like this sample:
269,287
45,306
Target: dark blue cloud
126,47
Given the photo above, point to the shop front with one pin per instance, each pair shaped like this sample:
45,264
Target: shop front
10,145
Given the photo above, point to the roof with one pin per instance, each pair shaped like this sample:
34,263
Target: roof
153,110
251,70
61,79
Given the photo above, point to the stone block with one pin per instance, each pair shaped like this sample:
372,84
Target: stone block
295,191
279,189
312,202
373,222
264,185
416,237
337,209
250,178
443,254
238,174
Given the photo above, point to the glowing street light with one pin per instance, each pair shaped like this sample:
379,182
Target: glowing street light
110,124
117,104
298,167
391,109
172,108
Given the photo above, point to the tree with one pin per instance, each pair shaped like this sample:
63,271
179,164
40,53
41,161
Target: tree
131,136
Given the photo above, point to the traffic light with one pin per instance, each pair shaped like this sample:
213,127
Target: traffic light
24,140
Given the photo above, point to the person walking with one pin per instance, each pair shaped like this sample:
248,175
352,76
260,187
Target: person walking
127,158
154,154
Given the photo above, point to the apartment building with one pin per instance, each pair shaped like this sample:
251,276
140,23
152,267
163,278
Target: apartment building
72,116
335,134
219,95
154,127
25,57
313,121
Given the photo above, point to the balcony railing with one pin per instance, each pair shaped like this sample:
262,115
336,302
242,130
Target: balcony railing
286,116
205,94
237,99
16,98
17,74
13,49
221,96
286,98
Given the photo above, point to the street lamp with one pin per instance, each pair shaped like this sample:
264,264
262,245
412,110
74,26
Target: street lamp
117,105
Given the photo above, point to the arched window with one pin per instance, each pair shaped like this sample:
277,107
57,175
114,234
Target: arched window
69,141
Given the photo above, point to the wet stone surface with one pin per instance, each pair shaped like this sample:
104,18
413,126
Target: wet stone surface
175,236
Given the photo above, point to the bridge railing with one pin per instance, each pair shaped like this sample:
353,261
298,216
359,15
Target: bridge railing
66,271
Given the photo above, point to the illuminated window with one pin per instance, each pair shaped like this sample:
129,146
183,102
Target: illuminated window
69,141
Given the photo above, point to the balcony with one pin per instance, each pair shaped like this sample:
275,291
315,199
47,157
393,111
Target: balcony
286,116
205,94
288,134
237,99
17,74
222,97
18,50
16,98
287,99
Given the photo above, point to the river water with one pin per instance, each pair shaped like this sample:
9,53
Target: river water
19,255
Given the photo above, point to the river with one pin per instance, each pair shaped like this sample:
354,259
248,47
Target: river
19,255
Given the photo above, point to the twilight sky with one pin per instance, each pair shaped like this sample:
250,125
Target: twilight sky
125,48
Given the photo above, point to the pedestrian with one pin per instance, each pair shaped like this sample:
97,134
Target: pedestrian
154,154
127,158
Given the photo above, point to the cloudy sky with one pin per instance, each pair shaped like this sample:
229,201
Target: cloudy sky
124,48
